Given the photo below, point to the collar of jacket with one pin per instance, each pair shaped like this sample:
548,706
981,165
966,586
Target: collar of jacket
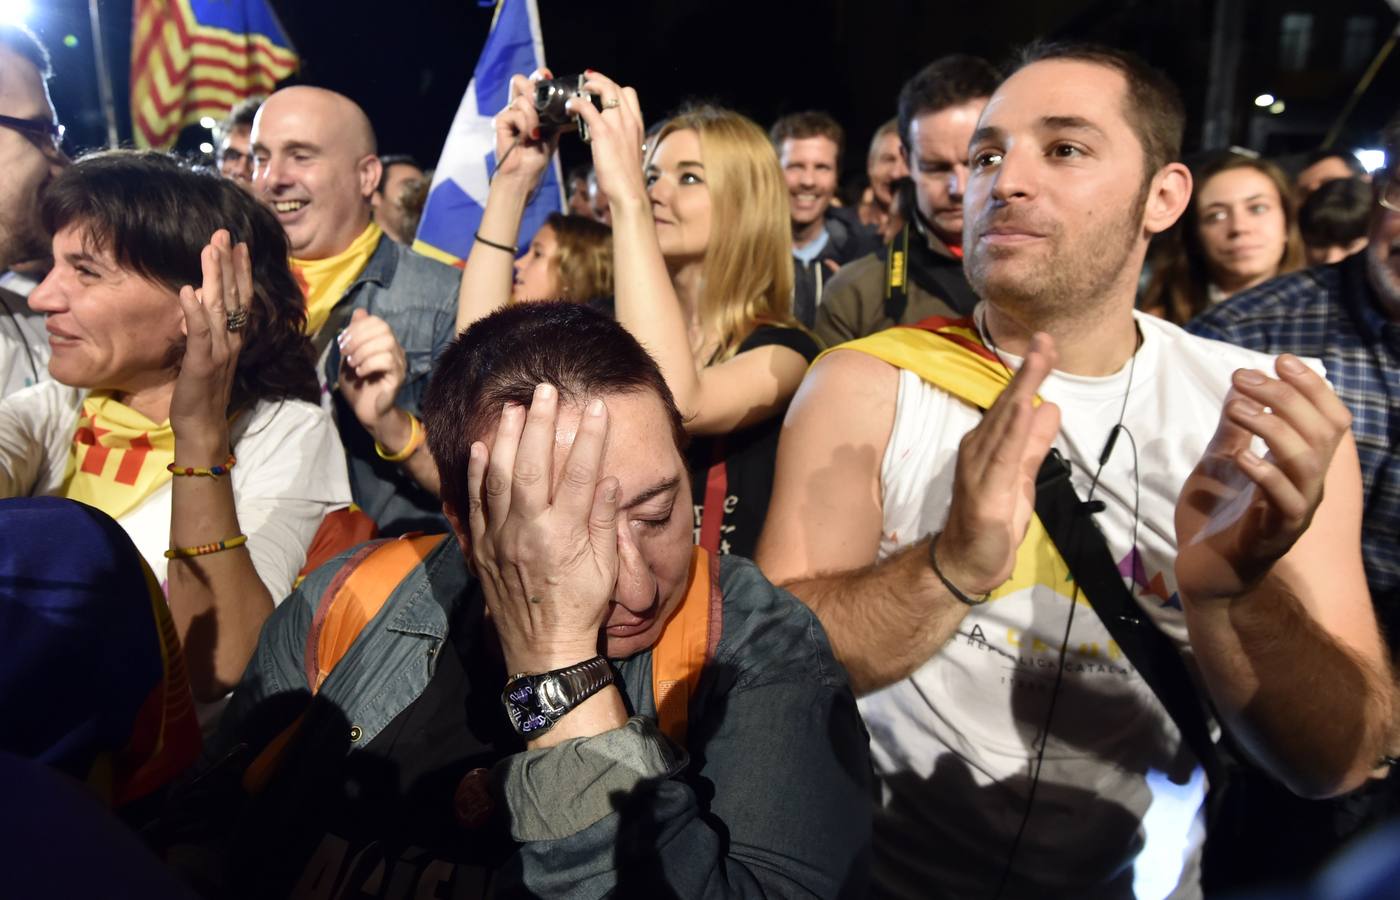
432,600
382,265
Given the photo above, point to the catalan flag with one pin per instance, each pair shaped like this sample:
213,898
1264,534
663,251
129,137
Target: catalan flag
196,58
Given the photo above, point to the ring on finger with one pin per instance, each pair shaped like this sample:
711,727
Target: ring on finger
237,319
611,103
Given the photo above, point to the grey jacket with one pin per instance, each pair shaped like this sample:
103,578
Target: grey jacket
770,798
417,297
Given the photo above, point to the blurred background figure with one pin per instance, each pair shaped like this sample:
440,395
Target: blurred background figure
1334,220
233,145
397,173
576,186
1322,166
1240,231
570,258
883,165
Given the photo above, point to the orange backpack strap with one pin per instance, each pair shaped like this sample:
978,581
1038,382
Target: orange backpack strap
687,643
355,595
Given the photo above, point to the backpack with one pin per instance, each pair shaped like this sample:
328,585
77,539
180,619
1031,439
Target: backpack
363,584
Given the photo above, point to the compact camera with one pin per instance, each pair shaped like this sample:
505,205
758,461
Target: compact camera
550,96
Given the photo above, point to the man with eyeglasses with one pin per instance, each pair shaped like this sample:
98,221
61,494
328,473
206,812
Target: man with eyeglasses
1347,315
233,144
30,155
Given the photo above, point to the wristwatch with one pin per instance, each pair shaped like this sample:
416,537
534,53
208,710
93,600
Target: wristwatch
535,702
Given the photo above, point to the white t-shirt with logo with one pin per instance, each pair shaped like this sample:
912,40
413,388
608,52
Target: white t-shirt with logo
1117,808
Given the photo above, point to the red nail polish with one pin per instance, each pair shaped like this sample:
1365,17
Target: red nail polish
535,135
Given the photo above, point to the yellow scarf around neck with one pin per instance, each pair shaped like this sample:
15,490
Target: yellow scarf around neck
325,281
118,457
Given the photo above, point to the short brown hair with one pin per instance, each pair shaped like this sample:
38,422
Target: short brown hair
812,123
1151,104
946,82
502,357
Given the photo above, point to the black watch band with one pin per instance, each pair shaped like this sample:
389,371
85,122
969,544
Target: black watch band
535,702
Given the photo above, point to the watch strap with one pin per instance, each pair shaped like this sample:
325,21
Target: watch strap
584,680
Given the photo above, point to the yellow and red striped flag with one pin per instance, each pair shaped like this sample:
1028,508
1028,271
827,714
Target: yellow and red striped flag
196,58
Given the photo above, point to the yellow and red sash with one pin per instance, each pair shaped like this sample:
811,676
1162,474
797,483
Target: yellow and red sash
118,457
325,281
949,354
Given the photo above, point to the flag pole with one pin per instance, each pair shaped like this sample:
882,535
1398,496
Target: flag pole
104,76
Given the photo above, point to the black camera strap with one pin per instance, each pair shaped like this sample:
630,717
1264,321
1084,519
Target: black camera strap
1070,525
907,260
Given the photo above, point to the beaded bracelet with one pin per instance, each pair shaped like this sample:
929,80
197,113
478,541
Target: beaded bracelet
211,472
416,436
238,540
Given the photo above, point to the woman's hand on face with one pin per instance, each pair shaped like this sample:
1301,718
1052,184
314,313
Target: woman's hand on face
616,133
522,151
215,314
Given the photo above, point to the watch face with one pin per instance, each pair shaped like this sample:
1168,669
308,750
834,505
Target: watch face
523,705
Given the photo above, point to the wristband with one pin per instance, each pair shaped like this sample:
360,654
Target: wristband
416,436
513,251
238,540
211,472
952,589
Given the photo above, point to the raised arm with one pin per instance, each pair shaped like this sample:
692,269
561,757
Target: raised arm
217,600
1272,584
522,158
750,387
824,522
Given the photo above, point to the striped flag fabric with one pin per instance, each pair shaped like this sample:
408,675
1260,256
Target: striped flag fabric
457,196
196,58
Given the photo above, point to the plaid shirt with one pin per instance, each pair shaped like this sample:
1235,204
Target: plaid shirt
1332,313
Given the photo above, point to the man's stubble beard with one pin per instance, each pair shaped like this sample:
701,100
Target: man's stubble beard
1075,279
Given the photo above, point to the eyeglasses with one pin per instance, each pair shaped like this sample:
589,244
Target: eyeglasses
231,157
1390,192
42,128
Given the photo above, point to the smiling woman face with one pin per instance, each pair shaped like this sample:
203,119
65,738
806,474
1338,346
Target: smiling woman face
680,197
108,328
1242,228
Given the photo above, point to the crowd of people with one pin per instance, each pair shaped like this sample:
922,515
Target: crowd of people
1028,526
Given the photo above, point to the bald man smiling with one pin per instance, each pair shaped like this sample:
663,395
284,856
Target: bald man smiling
315,165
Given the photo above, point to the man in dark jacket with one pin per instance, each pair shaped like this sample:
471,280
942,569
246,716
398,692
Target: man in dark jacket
919,273
566,592
824,237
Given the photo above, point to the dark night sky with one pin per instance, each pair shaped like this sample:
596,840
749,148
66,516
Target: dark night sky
408,62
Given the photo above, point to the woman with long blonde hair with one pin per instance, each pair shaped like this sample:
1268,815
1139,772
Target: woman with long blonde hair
703,272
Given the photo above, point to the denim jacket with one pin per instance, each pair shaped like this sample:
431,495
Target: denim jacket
417,297
771,796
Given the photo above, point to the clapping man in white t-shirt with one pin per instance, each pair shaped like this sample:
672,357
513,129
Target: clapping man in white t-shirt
1020,752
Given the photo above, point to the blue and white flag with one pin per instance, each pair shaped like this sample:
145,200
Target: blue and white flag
463,178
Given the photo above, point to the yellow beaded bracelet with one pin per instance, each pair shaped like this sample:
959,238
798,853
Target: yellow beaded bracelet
211,472
238,540
416,436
